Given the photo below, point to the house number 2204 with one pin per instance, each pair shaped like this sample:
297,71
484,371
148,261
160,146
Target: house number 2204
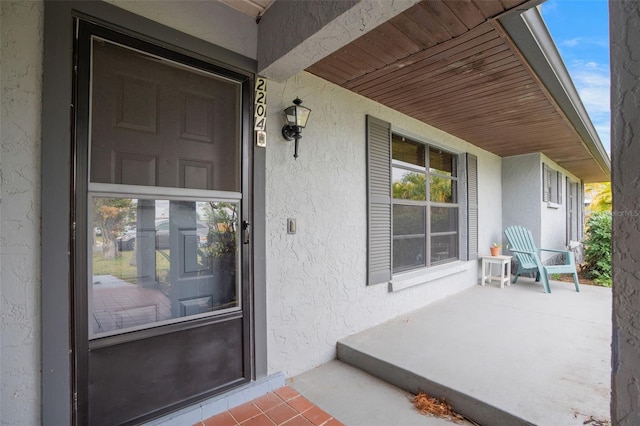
260,114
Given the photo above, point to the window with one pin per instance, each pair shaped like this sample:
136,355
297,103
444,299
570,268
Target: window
133,284
425,205
551,185
422,204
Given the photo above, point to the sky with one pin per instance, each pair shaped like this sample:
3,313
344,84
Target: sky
580,29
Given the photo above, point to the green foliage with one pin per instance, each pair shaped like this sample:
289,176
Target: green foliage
222,219
601,200
597,251
412,187
123,266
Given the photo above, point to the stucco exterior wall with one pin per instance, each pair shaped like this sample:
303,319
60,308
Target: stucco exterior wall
490,201
522,191
523,205
21,62
625,152
316,279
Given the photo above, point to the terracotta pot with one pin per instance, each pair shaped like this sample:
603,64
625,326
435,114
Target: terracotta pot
495,251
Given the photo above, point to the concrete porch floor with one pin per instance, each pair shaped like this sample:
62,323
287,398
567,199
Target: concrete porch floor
500,356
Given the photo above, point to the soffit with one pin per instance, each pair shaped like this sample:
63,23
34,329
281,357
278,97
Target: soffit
450,64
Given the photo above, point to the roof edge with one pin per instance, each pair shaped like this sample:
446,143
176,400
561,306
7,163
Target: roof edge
530,34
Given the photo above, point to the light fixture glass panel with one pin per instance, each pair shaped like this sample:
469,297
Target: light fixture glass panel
290,115
302,116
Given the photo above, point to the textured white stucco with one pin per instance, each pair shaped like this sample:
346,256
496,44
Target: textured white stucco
625,150
490,199
208,20
316,279
523,205
522,190
21,68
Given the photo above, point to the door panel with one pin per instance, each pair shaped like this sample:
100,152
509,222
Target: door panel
152,118
153,372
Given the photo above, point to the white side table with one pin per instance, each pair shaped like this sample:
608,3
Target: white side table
504,262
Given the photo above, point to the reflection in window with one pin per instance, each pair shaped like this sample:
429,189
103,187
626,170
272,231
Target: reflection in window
153,261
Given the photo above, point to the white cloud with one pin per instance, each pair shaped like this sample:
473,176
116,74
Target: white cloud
593,84
583,41
549,6
571,42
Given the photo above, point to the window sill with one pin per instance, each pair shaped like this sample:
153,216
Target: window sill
423,276
551,205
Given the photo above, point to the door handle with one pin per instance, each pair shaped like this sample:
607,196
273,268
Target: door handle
247,232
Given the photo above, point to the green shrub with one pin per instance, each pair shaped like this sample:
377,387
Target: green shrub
597,251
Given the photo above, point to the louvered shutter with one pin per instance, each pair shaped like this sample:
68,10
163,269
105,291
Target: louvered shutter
546,183
472,206
559,180
379,200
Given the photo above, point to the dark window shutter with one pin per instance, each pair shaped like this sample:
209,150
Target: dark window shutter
559,180
379,200
472,206
546,183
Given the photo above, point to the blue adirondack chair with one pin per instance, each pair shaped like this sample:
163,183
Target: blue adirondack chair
528,256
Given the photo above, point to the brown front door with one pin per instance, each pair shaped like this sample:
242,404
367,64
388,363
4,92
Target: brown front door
162,285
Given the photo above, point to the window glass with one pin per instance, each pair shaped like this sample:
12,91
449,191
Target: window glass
444,219
408,220
155,261
409,237
442,189
408,253
441,162
409,185
444,248
419,239
407,151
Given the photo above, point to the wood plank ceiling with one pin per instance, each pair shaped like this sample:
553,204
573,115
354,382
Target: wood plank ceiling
450,64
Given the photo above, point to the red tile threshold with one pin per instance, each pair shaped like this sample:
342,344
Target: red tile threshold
282,407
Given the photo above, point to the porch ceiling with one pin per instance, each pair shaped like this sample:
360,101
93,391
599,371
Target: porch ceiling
452,65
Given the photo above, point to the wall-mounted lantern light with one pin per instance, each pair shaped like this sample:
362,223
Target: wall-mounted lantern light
296,116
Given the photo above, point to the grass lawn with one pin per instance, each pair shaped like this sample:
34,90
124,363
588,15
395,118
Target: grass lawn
123,266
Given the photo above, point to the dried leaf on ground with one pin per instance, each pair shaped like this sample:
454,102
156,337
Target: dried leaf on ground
436,407
596,422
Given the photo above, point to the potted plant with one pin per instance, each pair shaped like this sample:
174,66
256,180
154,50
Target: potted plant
495,249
